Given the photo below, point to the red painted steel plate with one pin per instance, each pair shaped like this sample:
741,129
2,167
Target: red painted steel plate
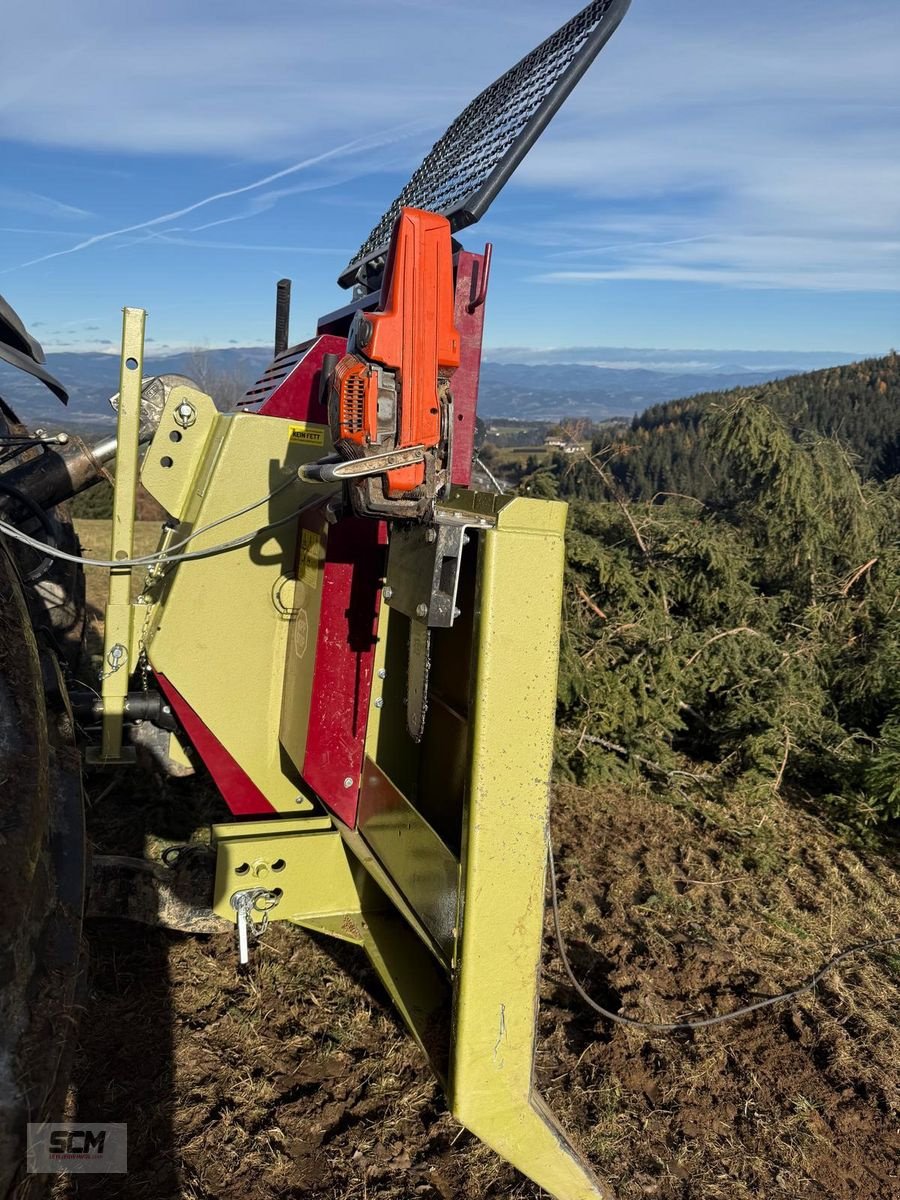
238,790
345,650
470,287
297,394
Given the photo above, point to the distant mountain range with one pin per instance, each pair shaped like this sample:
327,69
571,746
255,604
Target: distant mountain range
594,381
666,448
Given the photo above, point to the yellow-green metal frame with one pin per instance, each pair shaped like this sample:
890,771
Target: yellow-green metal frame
221,628
118,638
442,880
471,1005
504,850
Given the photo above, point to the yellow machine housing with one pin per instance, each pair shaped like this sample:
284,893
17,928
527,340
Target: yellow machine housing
441,881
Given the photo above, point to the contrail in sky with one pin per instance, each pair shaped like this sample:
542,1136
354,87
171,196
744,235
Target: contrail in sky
346,148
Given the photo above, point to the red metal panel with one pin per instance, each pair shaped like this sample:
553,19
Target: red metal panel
239,791
345,649
290,388
471,289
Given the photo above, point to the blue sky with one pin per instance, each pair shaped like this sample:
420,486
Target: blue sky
727,176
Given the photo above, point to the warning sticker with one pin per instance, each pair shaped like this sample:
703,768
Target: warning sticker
312,554
307,435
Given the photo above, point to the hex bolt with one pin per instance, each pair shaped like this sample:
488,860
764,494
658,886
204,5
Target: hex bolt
387,593
421,610
379,703
382,673
348,782
430,535
456,613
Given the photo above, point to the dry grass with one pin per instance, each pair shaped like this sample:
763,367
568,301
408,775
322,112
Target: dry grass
94,537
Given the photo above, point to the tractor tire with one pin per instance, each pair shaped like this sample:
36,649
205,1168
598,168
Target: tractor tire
42,855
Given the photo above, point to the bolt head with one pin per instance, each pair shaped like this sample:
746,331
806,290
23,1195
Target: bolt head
387,593
379,703
382,673
348,782
430,535
421,610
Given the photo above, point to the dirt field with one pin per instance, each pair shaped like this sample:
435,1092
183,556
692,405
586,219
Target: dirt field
296,1079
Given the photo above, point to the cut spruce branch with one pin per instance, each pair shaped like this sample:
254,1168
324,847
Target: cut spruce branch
718,637
649,763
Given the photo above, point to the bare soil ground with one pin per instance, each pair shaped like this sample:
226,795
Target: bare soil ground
296,1079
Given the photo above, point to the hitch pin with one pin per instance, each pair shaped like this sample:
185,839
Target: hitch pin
243,944
246,903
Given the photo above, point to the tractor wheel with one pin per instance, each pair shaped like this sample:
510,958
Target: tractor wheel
42,871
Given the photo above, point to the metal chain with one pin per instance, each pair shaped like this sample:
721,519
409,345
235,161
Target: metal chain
246,903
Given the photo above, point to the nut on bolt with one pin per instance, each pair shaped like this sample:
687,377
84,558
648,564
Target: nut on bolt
185,414
421,610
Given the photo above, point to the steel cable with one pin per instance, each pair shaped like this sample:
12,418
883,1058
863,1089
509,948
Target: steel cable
705,1022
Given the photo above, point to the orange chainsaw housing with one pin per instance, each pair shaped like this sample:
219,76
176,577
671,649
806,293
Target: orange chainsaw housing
414,338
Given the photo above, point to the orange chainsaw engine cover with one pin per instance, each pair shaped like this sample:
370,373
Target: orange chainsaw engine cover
412,338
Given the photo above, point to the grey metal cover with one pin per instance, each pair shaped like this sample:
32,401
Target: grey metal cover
470,163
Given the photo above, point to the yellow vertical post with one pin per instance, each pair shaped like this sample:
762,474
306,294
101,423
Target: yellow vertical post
118,639
505,850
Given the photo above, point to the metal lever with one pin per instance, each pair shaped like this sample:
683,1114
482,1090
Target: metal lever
334,470
481,295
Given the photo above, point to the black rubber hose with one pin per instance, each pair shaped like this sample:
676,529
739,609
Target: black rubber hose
46,522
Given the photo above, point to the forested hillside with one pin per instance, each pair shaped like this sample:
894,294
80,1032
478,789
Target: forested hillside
752,641
667,447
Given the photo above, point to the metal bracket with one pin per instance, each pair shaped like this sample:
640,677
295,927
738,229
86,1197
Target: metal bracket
423,572
422,584
301,861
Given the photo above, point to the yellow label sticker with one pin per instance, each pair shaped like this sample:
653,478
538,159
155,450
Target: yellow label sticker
312,554
307,435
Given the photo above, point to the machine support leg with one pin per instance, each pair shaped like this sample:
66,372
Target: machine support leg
504,862
118,647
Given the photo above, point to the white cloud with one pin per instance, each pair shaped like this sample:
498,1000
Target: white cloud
227,79
712,142
728,145
42,206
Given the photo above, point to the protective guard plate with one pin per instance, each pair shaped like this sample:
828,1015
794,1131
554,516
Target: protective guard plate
471,162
